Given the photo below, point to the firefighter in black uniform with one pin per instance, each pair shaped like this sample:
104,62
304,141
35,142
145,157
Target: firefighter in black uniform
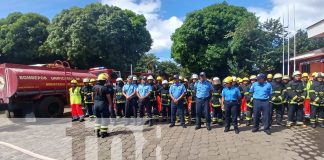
119,98
153,97
87,96
165,100
216,102
247,96
317,100
102,102
185,101
277,98
192,105
296,93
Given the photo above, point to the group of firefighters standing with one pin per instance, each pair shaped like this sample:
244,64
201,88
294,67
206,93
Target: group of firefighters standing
234,100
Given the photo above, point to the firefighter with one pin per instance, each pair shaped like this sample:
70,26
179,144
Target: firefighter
307,84
185,100
76,101
177,91
269,77
93,82
153,97
239,112
249,100
129,91
247,110
143,92
216,101
102,102
276,102
119,98
285,81
165,100
317,97
230,98
296,93
87,95
192,105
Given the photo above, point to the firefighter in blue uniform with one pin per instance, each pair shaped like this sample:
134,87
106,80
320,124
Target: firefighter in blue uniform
177,91
129,91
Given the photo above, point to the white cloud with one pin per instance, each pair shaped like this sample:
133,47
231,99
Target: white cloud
307,12
160,29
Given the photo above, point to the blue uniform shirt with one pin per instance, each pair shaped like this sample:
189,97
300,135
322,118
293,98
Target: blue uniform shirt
261,91
129,89
144,89
203,89
231,94
177,89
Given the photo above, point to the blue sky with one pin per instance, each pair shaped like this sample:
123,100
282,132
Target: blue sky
164,16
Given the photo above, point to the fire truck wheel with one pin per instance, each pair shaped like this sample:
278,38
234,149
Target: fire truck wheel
50,107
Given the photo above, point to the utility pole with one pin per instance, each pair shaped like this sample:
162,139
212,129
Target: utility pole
288,59
283,44
294,38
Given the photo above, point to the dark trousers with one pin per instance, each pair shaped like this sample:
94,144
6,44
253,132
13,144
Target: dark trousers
102,113
154,104
193,111
177,107
261,106
143,106
131,108
166,111
317,112
120,109
279,112
202,104
231,113
295,113
217,112
89,107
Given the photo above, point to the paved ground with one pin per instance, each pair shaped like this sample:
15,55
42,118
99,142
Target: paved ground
61,139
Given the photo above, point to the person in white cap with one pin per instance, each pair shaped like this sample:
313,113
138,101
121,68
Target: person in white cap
216,101
165,100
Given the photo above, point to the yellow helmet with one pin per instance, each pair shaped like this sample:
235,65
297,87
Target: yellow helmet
159,78
305,74
239,80
102,77
73,81
245,79
170,82
92,80
314,74
253,77
269,76
228,79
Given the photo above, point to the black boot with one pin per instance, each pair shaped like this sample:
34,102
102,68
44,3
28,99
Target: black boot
151,122
104,134
98,132
313,125
321,125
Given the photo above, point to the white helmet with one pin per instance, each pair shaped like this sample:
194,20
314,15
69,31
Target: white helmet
277,75
150,77
86,80
216,80
194,76
134,78
234,78
119,79
165,82
296,73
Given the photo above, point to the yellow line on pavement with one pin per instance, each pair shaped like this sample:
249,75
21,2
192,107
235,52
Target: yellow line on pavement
35,155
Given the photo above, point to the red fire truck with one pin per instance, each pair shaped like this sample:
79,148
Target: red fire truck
40,89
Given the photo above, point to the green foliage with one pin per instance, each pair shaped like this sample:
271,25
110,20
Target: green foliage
148,62
98,35
168,68
304,44
205,41
21,35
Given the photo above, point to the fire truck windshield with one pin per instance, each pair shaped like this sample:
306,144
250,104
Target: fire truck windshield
2,82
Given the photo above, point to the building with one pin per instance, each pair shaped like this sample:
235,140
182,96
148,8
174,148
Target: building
311,61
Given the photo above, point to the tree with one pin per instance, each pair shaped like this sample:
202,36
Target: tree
304,44
148,62
202,43
98,35
21,36
168,68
